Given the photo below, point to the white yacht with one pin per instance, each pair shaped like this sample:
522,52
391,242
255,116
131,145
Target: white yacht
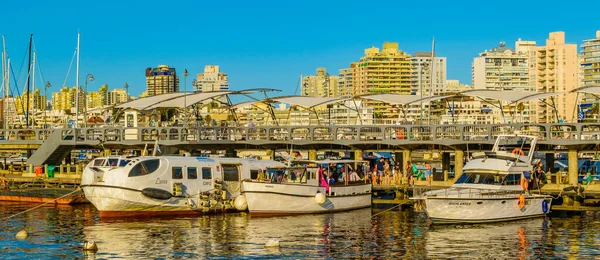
492,188
301,190
166,185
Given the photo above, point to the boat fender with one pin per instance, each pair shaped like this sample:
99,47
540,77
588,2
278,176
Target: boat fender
241,203
217,180
320,198
218,192
227,206
568,188
521,201
545,206
204,197
90,246
524,183
22,234
156,193
213,203
203,204
218,186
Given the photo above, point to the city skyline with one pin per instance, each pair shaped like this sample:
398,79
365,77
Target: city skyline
259,50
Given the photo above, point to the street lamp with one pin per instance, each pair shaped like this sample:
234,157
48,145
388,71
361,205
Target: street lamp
185,74
89,77
126,92
46,103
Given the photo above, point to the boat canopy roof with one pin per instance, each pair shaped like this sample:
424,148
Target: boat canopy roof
328,161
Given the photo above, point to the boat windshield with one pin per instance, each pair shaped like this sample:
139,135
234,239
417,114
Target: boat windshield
489,178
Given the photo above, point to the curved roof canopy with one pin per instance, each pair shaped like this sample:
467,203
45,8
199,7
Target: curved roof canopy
148,101
187,100
588,89
510,96
399,99
306,101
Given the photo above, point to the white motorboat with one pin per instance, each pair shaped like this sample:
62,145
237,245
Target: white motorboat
301,190
166,185
493,187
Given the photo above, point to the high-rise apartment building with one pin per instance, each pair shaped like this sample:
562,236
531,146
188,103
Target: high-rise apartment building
556,71
590,61
211,80
117,96
321,85
422,70
36,102
66,98
345,82
501,68
161,80
385,71
454,85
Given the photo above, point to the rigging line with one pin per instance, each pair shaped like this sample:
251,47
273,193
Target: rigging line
19,94
23,62
37,63
69,71
297,85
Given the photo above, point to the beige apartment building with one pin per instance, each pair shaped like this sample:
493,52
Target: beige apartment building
590,61
428,77
65,99
321,85
212,79
161,80
385,71
556,71
501,68
345,82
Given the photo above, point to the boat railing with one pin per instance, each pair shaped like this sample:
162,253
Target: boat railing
474,193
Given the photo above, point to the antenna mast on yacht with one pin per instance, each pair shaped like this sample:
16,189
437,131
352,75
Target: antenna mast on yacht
28,82
32,90
77,85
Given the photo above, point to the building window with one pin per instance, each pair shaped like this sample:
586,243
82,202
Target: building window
192,173
206,173
177,173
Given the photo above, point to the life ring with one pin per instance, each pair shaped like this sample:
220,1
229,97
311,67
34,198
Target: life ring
521,201
524,184
518,150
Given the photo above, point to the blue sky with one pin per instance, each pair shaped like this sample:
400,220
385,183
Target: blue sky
270,43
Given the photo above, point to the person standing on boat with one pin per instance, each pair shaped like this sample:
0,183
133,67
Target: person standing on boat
386,173
428,173
380,168
538,177
410,172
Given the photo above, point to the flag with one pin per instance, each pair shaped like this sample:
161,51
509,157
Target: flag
580,113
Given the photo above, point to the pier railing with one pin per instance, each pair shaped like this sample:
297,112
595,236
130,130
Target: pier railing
550,133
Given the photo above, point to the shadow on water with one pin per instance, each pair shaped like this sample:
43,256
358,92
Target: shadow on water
58,232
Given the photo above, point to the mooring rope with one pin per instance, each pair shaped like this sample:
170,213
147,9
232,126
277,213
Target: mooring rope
43,204
386,210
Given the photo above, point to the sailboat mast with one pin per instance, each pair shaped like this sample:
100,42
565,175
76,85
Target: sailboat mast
7,91
32,89
4,83
77,85
28,82
432,79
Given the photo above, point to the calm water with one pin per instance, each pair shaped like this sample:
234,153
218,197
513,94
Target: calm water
58,232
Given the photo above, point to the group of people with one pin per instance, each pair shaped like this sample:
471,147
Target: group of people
384,173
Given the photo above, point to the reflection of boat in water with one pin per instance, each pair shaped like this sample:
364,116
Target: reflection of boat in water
473,241
166,185
491,187
300,190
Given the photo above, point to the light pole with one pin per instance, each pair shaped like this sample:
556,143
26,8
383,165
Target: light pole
421,89
46,103
126,92
89,77
185,74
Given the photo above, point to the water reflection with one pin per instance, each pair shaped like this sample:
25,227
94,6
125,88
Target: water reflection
58,232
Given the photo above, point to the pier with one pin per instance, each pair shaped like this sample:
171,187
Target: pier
50,147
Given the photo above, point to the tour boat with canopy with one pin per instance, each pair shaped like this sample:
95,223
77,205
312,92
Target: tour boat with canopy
321,187
167,185
493,187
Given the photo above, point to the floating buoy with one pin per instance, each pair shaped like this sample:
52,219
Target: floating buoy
521,201
241,203
22,234
272,242
320,198
90,246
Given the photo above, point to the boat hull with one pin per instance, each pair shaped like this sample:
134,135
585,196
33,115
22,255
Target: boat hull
291,199
124,202
483,210
44,195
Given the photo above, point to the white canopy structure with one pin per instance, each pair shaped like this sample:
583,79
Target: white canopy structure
305,101
399,99
144,102
187,100
512,96
589,89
